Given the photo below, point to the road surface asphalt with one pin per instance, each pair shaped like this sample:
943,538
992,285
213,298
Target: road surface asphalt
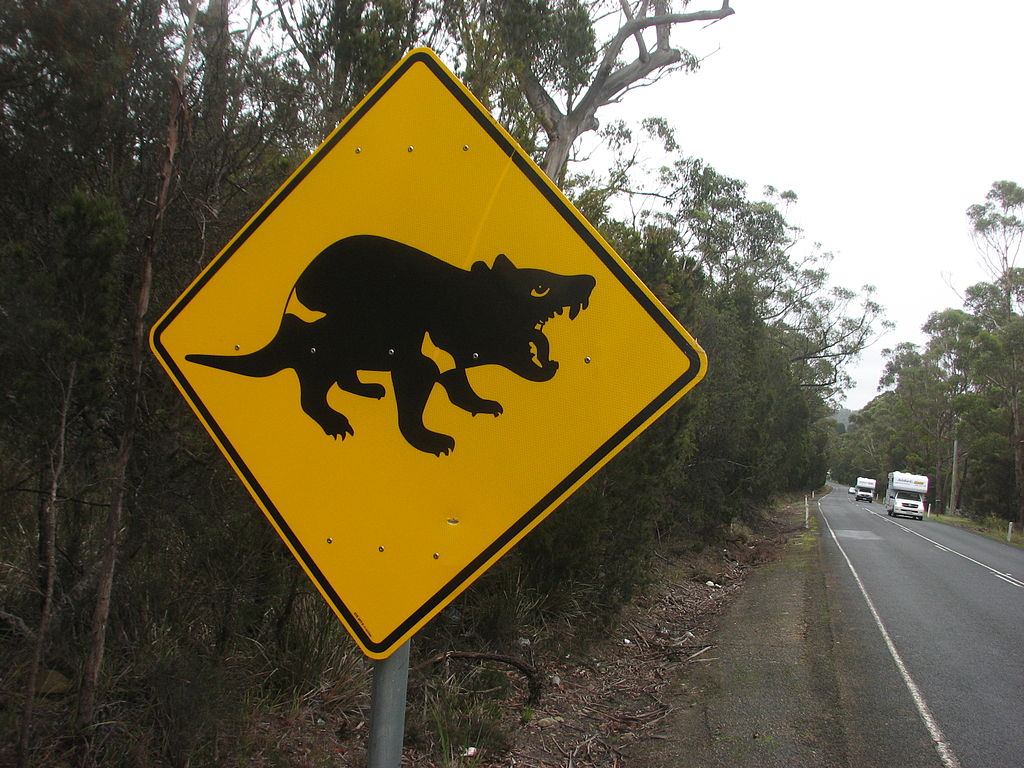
788,683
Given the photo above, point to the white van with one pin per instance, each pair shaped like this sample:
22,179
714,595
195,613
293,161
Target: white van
905,495
865,489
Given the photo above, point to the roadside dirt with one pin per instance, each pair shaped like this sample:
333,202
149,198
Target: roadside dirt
634,689
638,698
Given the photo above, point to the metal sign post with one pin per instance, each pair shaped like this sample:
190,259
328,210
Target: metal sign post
387,709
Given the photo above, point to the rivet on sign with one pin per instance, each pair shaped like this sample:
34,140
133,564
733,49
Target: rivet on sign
237,347
380,549
452,521
476,355
312,350
330,540
465,147
358,150
410,147
391,352
436,556
586,359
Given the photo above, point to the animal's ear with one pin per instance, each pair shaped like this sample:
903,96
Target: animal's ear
478,268
503,264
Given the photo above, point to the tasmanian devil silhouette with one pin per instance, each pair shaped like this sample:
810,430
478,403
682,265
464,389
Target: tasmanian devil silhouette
379,300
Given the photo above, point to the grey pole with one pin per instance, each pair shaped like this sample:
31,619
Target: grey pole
953,473
387,709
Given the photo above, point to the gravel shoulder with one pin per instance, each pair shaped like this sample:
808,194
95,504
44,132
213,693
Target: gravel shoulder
726,662
769,695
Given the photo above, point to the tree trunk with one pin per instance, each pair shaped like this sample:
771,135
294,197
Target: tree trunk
101,611
216,36
48,566
954,488
1018,458
567,130
611,79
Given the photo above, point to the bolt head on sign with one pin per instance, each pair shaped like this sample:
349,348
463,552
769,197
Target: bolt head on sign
415,350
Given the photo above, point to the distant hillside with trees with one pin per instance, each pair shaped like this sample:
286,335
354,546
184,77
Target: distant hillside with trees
842,416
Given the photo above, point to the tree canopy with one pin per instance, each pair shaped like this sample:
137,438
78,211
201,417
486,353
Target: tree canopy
952,409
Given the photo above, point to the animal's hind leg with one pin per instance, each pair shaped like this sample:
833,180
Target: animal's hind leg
461,393
314,386
414,379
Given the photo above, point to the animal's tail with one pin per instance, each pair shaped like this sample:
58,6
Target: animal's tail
274,357
255,364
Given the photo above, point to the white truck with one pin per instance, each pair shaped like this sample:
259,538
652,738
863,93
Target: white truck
905,495
865,489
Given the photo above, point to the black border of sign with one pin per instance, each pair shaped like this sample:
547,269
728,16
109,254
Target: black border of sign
614,442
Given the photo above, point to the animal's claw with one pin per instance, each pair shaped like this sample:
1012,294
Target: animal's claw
488,406
336,426
431,442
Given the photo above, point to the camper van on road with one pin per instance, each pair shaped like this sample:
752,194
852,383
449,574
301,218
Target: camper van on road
905,495
865,489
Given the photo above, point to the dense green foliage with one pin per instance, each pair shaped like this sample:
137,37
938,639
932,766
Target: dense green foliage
136,138
963,391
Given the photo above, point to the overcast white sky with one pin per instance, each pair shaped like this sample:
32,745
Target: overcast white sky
887,119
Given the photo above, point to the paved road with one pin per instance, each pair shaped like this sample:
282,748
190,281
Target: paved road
928,622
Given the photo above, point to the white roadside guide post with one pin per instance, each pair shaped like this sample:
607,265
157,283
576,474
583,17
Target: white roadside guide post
393,518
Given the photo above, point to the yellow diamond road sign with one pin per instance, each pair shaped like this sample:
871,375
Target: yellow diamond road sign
415,350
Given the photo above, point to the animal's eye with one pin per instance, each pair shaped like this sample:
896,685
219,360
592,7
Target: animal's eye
539,290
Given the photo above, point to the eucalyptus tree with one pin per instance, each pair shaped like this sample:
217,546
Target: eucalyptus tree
745,246
336,50
75,85
927,385
59,300
567,58
998,231
132,132
957,388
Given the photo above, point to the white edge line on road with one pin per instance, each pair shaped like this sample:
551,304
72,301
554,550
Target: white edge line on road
1004,576
941,745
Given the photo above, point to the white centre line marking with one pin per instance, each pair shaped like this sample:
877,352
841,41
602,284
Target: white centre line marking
1004,576
938,738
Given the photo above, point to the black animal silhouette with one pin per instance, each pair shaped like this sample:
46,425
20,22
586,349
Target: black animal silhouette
380,300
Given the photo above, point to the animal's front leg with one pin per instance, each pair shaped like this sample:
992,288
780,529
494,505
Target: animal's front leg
461,393
313,385
414,378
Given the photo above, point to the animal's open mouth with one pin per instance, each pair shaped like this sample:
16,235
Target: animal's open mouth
540,349
574,309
